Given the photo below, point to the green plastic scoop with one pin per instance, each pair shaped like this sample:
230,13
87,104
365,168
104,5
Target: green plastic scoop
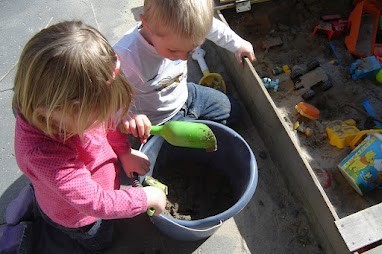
186,134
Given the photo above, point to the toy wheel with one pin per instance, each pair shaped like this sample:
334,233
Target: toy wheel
308,95
298,85
326,85
312,65
296,74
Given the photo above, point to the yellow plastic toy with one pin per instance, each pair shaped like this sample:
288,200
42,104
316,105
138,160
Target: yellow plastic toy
214,80
360,134
341,133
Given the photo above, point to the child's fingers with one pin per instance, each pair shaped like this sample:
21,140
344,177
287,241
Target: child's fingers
143,161
146,164
156,199
143,128
143,170
254,59
131,127
147,125
140,127
250,55
246,50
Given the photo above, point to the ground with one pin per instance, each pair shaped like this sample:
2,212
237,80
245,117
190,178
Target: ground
273,221
295,44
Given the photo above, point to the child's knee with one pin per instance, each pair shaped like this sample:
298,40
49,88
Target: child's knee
235,112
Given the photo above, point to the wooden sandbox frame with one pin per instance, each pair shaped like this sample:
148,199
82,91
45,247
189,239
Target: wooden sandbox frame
337,235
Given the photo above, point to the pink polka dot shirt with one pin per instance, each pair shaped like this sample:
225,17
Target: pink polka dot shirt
77,182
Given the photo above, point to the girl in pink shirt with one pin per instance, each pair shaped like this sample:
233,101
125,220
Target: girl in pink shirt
67,87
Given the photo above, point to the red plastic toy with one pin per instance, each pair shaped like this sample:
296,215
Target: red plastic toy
331,25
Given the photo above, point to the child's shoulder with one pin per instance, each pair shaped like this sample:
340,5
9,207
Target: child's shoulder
22,124
129,38
26,134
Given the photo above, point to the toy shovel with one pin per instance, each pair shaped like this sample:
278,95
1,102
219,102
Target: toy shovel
185,134
213,80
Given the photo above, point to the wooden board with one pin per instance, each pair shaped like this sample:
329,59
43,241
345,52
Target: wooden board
220,5
361,228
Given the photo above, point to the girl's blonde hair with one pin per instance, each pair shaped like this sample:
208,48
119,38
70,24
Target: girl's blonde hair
69,67
190,19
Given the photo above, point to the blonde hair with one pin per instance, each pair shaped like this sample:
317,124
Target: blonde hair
68,67
190,19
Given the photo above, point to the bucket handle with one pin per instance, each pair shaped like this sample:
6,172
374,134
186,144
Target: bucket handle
192,229
360,134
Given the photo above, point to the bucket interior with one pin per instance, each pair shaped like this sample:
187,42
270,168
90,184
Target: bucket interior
226,179
198,188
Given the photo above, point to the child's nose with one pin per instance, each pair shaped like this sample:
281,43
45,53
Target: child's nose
183,55
180,55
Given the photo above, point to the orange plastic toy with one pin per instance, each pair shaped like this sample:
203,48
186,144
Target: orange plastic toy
307,110
372,8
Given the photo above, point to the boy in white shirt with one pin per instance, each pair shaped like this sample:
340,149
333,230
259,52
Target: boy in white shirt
154,60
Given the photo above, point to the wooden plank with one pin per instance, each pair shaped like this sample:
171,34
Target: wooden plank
286,152
362,228
231,4
376,250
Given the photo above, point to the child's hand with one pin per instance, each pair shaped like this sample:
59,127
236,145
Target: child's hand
156,199
135,161
246,50
138,126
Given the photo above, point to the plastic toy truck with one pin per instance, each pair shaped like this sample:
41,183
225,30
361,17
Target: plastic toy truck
311,77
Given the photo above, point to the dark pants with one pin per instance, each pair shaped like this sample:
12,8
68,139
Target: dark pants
209,104
92,238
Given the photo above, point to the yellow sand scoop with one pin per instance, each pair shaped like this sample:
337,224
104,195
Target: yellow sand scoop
213,80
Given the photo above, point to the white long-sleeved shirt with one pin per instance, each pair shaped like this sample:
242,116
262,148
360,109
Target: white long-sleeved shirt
160,84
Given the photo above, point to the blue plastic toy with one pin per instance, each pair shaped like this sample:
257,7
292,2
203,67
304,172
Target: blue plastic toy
269,83
371,112
367,67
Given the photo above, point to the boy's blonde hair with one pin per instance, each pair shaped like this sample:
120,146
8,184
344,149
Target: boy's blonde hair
190,19
68,67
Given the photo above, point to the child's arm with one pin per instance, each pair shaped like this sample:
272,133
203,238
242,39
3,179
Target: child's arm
135,161
61,174
132,160
225,37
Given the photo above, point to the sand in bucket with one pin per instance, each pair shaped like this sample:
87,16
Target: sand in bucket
196,190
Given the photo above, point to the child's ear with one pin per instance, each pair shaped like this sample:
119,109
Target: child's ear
40,117
144,22
146,31
41,111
